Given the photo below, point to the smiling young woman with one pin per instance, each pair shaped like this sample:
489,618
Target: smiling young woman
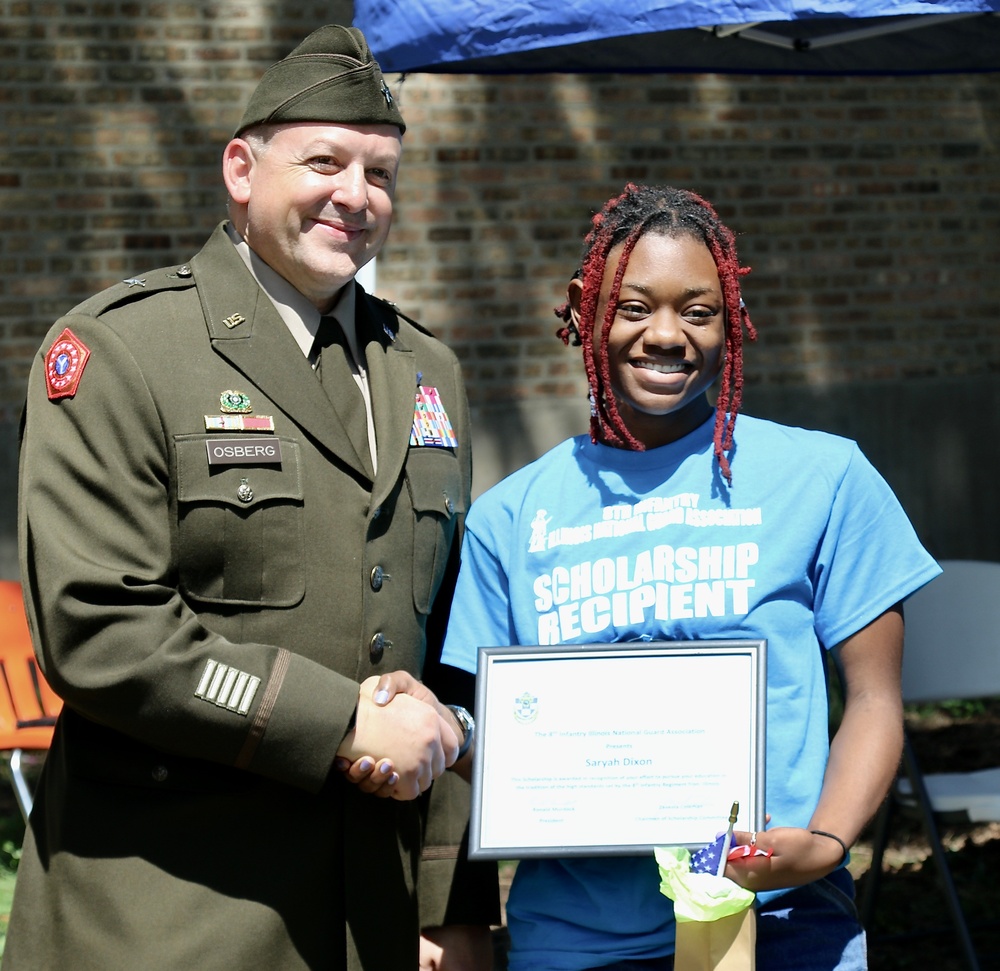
595,294
666,340
761,532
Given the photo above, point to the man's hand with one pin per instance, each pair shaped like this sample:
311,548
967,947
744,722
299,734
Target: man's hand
456,947
411,733
397,682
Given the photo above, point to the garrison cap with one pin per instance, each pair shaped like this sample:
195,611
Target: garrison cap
331,76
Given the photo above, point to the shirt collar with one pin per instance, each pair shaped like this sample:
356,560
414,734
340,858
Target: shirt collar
299,314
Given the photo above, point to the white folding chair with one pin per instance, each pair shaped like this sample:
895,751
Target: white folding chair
952,652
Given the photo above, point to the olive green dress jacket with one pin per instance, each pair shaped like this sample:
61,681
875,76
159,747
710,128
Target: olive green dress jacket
207,622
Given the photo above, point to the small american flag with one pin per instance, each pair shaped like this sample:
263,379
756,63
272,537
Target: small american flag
707,859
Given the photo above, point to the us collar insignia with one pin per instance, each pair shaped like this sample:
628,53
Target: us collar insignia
239,423
431,424
235,403
234,320
64,364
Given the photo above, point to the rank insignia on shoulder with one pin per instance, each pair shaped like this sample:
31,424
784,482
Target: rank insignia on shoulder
431,424
235,403
64,364
239,423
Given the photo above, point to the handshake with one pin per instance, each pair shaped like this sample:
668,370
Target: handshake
403,738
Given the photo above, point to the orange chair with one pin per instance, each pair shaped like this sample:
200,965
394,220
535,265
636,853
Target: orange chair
28,706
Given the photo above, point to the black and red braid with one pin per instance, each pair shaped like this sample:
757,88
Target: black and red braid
623,220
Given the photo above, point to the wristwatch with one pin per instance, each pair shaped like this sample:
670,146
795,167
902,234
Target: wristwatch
468,724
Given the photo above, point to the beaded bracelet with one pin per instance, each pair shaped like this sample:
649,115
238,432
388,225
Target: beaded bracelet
843,845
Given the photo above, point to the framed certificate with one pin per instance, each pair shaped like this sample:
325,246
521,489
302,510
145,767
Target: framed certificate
612,749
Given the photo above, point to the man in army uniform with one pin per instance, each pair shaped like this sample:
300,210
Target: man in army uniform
243,484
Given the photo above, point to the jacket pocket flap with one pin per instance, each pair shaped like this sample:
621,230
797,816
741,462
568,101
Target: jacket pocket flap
244,485
434,483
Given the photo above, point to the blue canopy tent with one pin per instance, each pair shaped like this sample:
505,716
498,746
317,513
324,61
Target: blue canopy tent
724,36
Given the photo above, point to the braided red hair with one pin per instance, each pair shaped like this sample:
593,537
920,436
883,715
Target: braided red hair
622,221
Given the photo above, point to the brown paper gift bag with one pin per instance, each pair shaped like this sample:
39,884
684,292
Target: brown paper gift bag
726,944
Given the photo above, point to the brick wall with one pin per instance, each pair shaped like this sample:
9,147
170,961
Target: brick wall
868,208
114,116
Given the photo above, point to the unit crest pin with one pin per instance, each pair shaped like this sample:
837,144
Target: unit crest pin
235,403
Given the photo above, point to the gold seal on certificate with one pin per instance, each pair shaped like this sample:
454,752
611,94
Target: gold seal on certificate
616,748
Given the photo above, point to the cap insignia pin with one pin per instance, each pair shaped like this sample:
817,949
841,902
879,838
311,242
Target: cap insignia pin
235,403
387,94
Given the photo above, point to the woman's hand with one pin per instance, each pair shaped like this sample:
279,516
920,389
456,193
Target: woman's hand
375,777
797,857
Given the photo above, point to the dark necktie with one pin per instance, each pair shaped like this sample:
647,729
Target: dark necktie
332,356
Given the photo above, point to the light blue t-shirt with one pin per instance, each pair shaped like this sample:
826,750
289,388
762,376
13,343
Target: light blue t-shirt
596,544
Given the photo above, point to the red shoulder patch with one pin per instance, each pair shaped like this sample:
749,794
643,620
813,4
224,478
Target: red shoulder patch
64,364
